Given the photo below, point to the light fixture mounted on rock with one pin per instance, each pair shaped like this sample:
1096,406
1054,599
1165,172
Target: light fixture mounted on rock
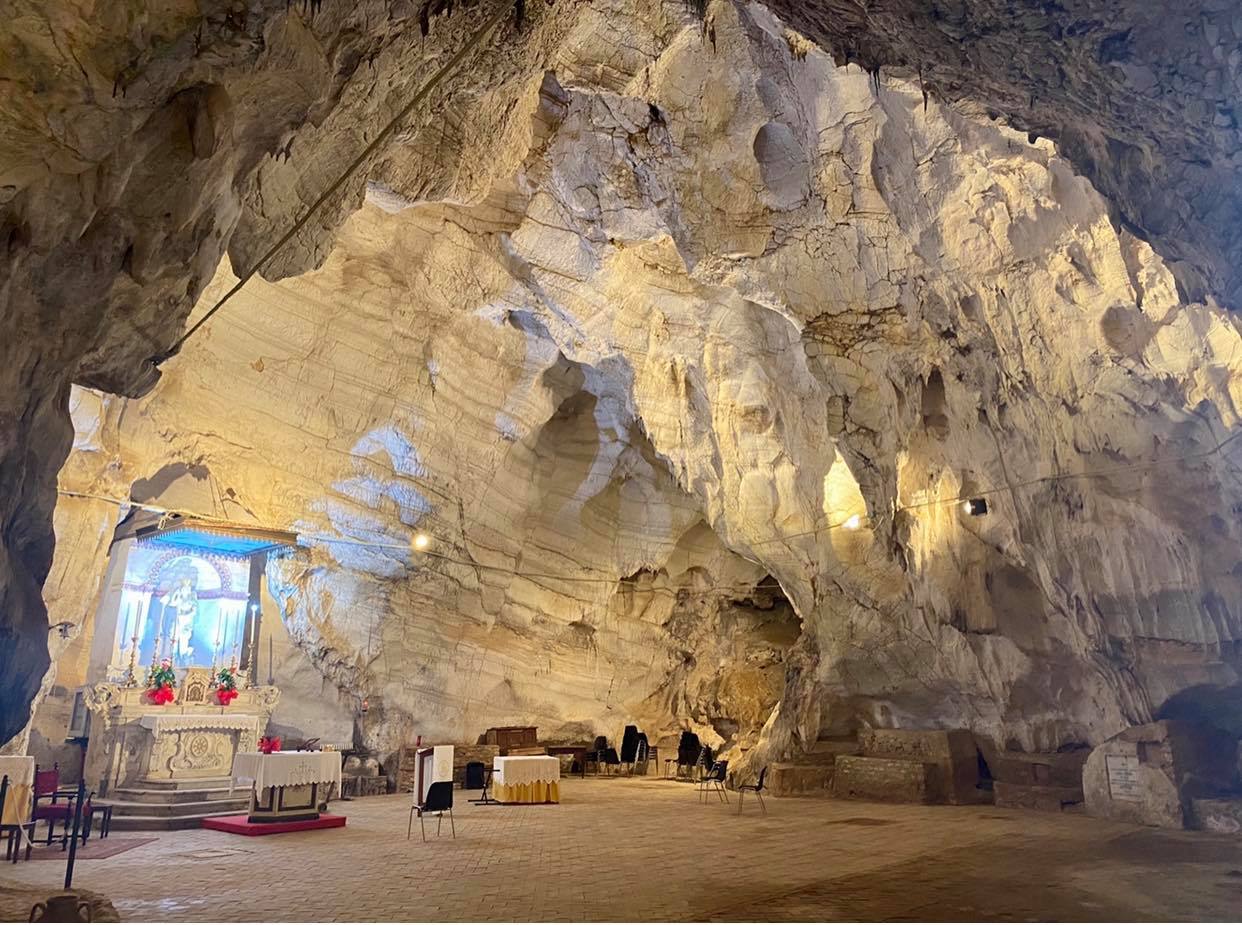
853,522
975,507
422,541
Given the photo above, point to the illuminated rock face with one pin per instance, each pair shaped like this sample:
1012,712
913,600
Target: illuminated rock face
717,298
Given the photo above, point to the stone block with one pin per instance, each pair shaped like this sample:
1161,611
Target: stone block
1040,769
1034,796
891,780
1150,774
952,751
787,780
1218,815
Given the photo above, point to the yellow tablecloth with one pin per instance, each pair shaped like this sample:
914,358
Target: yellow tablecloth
539,791
20,771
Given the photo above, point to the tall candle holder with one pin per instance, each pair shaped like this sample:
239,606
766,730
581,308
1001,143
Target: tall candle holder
131,679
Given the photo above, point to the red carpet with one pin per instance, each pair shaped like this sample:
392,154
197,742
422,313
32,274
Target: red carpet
239,826
95,849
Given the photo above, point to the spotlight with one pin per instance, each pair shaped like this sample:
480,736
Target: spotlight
853,522
422,541
975,507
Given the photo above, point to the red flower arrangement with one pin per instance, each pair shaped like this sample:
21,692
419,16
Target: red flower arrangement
161,695
269,744
160,684
226,687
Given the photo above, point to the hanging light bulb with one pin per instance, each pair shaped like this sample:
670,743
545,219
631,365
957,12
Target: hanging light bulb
422,541
975,507
853,522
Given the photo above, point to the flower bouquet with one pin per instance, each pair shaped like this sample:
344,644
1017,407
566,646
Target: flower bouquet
269,744
226,687
160,684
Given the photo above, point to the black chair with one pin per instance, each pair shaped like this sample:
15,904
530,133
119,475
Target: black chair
642,756
439,801
714,779
705,762
688,749
608,759
474,775
629,746
756,789
595,755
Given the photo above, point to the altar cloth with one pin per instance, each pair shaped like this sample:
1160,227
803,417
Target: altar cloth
526,769
526,779
178,722
20,771
288,769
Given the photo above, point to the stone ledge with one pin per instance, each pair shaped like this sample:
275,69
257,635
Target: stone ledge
892,780
1218,815
786,780
1034,796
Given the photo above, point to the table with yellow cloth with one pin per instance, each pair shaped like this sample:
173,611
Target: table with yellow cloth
20,771
526,779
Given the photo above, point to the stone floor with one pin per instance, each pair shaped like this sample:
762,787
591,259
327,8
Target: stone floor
647,850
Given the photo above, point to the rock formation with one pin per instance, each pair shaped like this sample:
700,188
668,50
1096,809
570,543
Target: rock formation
720,301
684,344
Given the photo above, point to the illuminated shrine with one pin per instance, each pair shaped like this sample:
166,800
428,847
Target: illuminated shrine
181,596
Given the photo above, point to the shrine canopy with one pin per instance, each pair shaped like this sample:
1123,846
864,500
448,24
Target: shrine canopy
222,539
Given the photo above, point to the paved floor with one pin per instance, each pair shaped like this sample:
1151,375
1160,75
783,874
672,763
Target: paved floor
647,850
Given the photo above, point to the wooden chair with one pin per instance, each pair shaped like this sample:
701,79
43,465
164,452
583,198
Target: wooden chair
15,830
47,786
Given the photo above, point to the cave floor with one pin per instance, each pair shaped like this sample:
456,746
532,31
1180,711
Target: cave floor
648,850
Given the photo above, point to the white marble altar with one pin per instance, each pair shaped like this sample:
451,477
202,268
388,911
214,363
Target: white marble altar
133,740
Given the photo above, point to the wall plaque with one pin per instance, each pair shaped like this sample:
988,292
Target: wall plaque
1123,777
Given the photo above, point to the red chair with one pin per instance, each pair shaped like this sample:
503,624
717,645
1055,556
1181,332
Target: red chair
47,786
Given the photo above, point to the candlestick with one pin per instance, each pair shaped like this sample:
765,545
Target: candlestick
131,679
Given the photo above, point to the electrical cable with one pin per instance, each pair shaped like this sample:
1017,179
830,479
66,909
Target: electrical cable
357,162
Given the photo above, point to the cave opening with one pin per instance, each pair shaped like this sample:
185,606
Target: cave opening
578,375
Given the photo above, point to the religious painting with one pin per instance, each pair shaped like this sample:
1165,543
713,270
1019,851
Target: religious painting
185,606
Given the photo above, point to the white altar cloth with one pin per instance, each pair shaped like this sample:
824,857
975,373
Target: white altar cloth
288,769
525,769
178,722
20,771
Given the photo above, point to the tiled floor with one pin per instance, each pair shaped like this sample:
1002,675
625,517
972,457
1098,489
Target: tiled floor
647,850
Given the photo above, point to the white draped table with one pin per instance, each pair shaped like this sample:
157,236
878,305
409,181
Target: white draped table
286,786
20,771
526,779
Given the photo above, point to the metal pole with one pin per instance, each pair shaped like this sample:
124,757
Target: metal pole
77,824
4,792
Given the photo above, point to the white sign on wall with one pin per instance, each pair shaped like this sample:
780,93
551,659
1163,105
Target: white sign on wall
1123,777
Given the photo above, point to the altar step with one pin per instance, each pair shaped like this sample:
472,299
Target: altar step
165,805
136,795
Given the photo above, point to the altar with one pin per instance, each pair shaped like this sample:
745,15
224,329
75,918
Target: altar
288,786
134,742
526,779
176,652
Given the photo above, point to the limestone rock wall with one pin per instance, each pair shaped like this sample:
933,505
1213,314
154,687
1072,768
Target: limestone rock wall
719,297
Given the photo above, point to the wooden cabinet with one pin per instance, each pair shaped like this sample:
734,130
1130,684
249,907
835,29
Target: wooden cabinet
507,737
